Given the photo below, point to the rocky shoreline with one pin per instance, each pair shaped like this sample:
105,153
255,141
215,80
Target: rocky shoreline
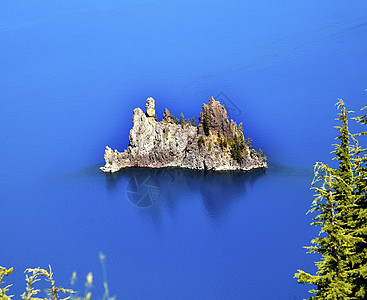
214,144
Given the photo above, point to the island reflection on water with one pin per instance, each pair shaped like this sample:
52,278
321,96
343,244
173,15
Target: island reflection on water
151,190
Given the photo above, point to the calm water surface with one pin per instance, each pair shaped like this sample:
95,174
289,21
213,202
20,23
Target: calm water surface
206,235
70,75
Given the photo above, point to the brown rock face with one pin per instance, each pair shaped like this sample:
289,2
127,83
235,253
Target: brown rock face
167,116
218,119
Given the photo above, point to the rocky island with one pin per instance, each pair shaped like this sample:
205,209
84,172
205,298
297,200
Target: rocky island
214,144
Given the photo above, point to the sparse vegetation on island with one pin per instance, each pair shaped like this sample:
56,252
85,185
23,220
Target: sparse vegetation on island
201,141
182,120
238,146
177,142
206,121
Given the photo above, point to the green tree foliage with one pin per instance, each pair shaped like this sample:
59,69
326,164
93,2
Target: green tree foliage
4,272
238,146
193,121
332,278
339,206
206,121
53,291
31,292
359,163
248,142
182,120
173,117
201,141
175,120
36,274
222,142
210,147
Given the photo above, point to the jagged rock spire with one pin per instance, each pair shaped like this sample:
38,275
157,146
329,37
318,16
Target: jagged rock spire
218,118
167,116
150,107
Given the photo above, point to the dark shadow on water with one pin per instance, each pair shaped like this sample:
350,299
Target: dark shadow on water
152,190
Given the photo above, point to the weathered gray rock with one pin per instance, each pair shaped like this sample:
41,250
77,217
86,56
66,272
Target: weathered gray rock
157,144
150,107
112,161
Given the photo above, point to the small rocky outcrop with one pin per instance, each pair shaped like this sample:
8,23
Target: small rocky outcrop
150,107
215,144
218,120
167,116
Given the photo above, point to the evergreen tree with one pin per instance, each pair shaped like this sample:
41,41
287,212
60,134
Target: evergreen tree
206,121
335,203
248,142
332,279
4,272
173,117
193,121
238,146
201,141
360,216
182,120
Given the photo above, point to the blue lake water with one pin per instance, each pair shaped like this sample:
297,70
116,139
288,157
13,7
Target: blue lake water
71,74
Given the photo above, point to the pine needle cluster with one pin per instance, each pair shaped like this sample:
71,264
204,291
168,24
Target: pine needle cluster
4,272
52,292
33,275
341,206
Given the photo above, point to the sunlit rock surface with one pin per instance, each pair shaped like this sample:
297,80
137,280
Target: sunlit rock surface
158,144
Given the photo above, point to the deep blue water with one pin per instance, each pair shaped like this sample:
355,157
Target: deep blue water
71,74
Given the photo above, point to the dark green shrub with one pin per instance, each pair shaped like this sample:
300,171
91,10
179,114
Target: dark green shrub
237,145
193,121
248,142
222,141
201,141
206,122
